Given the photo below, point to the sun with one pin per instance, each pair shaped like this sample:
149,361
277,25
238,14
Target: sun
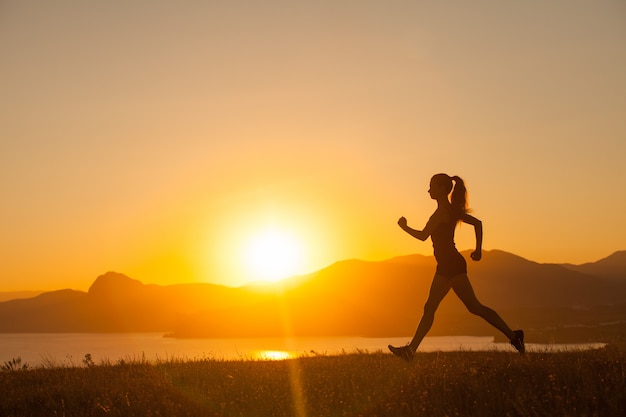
272,254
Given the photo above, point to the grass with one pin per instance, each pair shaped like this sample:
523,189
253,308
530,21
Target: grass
577,383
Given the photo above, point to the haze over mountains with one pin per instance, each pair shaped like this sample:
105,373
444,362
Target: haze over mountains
349,298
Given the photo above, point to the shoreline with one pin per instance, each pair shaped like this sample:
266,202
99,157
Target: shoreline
68,350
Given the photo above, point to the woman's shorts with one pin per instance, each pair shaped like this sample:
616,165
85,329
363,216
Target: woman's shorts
451,264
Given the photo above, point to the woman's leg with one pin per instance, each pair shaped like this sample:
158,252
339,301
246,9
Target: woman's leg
463,289
438,289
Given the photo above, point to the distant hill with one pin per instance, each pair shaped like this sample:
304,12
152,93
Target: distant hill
611,267
113,303
13,295
352,297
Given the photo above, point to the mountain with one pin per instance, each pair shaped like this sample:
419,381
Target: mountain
113,303
13,295
611,267
351,297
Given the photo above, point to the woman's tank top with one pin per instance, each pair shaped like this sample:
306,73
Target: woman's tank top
449,261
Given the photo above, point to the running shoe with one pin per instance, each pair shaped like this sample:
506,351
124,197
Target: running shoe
404,352
518,341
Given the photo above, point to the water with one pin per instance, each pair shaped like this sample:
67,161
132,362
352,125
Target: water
69,349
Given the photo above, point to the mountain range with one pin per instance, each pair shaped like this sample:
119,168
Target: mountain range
552,302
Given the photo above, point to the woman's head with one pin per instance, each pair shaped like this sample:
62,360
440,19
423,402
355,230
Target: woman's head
442,184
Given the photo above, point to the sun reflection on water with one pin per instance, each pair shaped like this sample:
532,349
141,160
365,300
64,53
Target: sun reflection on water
272,355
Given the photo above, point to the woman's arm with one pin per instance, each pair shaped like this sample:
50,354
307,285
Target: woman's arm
422,235
478,230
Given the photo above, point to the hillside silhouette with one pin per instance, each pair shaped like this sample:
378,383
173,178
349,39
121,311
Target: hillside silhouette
349,298
13,295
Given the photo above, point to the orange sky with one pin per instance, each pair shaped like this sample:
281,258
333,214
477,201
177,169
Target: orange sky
154,138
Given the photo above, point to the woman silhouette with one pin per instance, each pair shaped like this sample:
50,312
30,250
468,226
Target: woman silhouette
451,270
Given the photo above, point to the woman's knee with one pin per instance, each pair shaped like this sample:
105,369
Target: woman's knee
477,309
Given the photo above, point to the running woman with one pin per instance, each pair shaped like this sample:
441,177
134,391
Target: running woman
451,270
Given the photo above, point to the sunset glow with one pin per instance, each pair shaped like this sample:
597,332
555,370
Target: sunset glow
228,142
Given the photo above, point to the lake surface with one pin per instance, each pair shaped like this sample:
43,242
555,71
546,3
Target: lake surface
69,349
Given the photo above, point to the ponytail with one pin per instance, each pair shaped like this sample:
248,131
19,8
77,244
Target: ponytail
458,199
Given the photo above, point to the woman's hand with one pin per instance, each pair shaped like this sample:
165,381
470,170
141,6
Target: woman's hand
402,222
476,255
